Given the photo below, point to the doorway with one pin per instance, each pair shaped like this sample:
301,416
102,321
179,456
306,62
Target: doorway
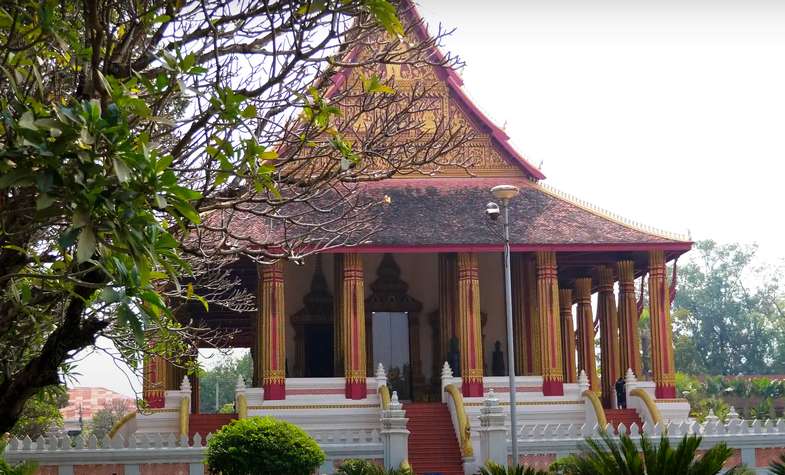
318,351
391,349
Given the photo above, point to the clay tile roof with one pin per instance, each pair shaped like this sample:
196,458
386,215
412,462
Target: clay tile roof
450,211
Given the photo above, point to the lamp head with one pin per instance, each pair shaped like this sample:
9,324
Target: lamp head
504,192
492,211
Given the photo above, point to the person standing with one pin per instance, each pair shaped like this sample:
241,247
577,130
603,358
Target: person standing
621,394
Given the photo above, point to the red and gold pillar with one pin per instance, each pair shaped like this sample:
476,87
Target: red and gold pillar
661,337
525,318
609,334
567,336
550,327
447,298
585,319
353,318
469,328
629,341
338,333
154,381
270,363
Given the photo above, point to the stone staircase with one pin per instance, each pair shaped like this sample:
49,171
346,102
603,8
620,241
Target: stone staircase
204,424
433,448
623,416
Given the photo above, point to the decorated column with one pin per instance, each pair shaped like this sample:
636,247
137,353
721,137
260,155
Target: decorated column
629,341
550,327
610,363
525,318
567,336
270,363
154,381
469,331
447,297
585,340
353,321
338,333
661,337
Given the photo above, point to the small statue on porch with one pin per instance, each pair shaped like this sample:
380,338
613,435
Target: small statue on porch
497,365
454,357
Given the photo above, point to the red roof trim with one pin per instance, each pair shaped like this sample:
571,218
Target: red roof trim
600,247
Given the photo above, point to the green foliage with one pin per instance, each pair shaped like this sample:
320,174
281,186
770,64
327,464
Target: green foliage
41,412
24,468
752,397
492,468
611,457
263,446
726,315
778,467
104,419
366,467
124,124
224,375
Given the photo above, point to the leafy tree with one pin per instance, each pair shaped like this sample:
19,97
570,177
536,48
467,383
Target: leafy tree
123,124
612,457
42,412
104,419
224,375
725,312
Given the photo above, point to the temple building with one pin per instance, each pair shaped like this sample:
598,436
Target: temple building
424,298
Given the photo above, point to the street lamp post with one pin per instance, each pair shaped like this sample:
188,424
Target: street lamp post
505,193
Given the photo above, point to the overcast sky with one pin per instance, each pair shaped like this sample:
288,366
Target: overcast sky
670,112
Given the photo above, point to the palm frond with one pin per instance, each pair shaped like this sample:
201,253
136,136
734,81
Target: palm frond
778,467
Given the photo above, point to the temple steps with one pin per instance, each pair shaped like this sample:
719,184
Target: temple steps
623,416
433,447
204,424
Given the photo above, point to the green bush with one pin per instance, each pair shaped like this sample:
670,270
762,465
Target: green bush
263,446
24,468
366,467
492,468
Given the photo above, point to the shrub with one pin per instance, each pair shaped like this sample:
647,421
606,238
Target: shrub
263,446
24,468
366,467
492,468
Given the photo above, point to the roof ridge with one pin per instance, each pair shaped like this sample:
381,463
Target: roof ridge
604,213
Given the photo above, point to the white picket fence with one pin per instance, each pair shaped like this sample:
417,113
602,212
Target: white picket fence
141,449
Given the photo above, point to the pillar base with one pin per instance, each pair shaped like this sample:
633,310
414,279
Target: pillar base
472,389
356,390
155,401
665,392
274,391
552,388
